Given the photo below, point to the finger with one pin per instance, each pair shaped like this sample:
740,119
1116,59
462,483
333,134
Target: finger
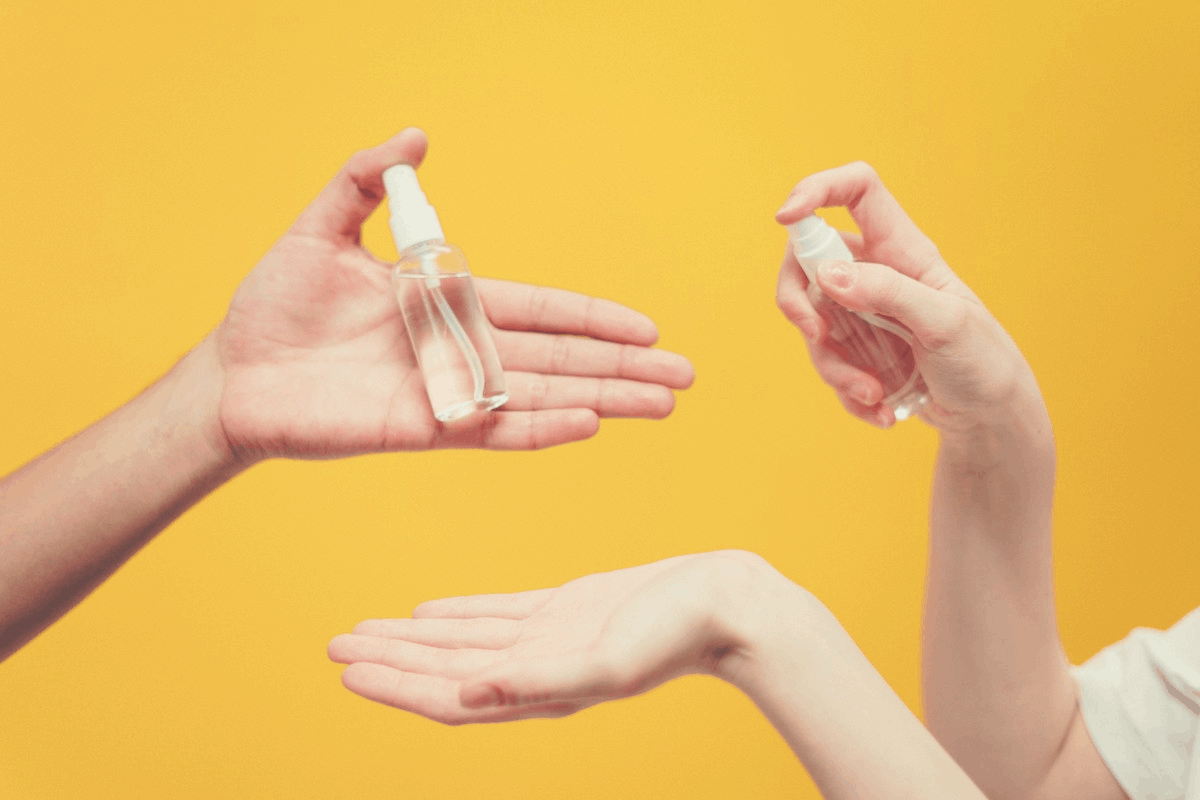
936,318
608,397
878,415
522,307
850,382
878,215
458,663
791,295
434,697
339,211
481,634
500,606
575,677
552,354
519,430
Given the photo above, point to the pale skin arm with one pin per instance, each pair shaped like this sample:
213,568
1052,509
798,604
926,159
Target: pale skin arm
997,691
311,361
552,652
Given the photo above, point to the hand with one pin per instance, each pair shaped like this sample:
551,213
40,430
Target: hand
552,652
315,361
973,369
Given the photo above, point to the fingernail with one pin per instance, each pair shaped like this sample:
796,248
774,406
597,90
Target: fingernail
808,328
481,696
859,393
787,205
836,273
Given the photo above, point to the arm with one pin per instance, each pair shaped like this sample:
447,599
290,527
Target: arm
552,652
311,361
997,691
70,518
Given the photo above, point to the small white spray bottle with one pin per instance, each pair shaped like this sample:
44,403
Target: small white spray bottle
449,331
872,343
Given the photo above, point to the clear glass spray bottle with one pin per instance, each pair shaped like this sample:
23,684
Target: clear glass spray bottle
450,333
876,344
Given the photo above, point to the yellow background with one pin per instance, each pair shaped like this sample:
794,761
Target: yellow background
150,153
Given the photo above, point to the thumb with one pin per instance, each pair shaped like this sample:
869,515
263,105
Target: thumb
575,676
347,200
934,317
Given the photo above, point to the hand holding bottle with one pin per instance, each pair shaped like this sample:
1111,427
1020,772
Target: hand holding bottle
315,361
973,369
311,361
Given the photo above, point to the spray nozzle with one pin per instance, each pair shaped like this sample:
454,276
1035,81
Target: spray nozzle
413,220
811,226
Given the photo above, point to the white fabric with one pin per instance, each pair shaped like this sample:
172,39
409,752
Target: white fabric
1141,702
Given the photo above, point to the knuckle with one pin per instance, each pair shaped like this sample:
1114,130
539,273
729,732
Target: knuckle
539,390
625,359
790,304
357,159
954,325
531,435
923,252
539,298
560,354
605,395
737,564
864,171
488,435
882,289
589,315
806,184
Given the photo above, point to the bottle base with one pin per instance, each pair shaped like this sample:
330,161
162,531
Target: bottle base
907,404
468,407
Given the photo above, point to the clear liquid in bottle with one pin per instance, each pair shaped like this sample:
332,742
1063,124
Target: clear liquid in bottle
879,352
449,331
877,345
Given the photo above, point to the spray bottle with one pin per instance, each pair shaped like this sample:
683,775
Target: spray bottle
878,345
450,333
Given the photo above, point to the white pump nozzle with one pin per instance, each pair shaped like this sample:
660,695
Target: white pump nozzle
814,238
806,227
413,220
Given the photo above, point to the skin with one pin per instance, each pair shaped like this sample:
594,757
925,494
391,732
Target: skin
998,694
311,361
997,691
552,652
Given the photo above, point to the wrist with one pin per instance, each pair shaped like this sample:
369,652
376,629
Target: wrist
186,404
1017,434
756,615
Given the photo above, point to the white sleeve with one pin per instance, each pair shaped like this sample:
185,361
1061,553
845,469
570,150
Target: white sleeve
1140,700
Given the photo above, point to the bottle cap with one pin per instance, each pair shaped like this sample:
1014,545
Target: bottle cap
812,239
806,227
412,219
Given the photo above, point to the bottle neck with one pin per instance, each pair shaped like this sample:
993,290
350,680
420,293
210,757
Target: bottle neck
421,247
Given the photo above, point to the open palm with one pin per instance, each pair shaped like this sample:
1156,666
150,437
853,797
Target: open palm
547,652
317,364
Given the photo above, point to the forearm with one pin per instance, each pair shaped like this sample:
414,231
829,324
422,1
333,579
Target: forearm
70,518
851,731
997,690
